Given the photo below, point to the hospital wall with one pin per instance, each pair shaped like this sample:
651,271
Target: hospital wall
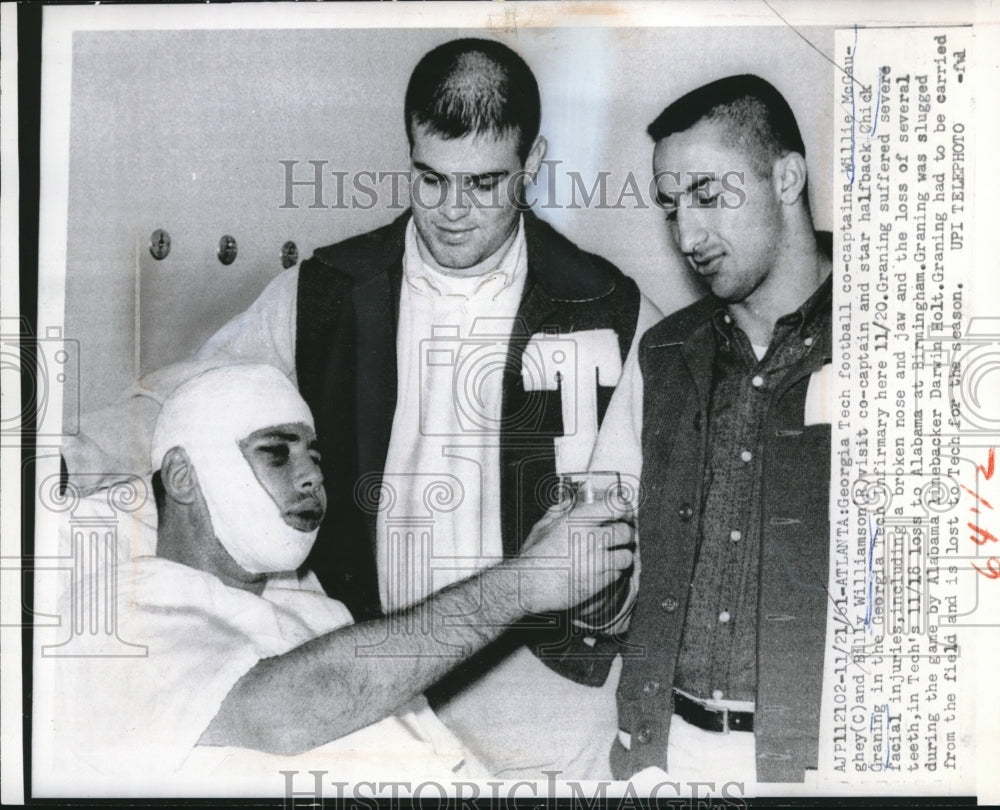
186,131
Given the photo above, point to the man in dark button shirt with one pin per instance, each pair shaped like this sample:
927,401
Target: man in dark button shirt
728,403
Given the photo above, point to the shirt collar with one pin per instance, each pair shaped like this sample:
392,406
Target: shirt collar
805,319
507,266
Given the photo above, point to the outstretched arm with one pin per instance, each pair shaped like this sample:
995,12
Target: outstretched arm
356,675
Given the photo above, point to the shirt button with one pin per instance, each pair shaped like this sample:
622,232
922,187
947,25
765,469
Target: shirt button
724,616
644,734
727,319
736,535
717,694
808,341
651,687
746,455
669,604
757,381
685,512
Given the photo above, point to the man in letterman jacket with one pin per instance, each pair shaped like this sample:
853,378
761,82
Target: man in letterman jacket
726,412
407,344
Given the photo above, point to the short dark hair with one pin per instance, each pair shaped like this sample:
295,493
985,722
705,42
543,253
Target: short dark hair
474,86
755,115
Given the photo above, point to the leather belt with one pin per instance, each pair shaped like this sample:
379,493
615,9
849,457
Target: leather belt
709,719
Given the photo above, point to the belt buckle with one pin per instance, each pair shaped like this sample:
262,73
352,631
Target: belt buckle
725,720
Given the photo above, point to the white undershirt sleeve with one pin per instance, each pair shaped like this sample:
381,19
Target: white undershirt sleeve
619,445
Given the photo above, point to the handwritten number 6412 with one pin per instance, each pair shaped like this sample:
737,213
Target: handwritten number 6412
992,570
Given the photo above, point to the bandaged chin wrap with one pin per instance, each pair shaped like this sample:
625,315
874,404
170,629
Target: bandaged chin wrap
208,416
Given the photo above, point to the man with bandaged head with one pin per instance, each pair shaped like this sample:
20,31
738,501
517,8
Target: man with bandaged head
252,455
250,668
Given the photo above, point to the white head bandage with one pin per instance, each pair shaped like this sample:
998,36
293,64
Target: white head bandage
209,416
